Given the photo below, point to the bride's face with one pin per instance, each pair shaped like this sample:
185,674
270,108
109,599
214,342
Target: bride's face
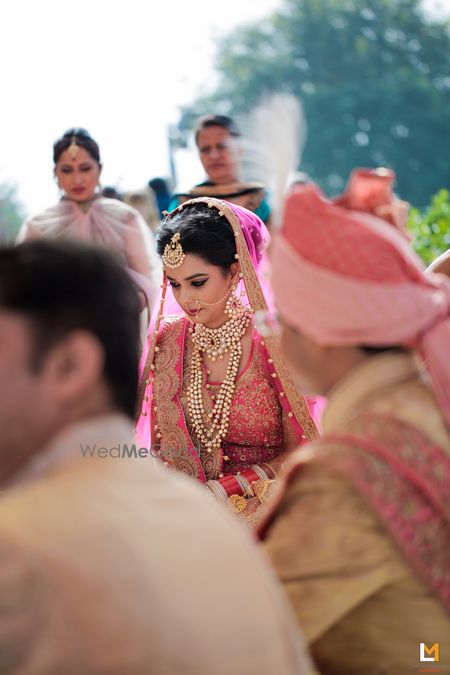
201,289
77,175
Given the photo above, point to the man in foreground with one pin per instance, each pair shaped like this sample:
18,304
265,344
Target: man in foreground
109,565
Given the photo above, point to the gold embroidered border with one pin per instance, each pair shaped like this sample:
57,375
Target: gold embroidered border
143,384
175,442
419,527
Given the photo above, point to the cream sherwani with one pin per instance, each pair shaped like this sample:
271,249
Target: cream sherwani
363,609
115,566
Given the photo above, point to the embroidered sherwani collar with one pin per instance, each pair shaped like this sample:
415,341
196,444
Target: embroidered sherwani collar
363,381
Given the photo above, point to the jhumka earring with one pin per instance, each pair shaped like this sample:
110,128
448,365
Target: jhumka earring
73,147
173,255
234,306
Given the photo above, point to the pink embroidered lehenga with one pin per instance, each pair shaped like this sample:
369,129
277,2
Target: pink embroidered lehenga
268,416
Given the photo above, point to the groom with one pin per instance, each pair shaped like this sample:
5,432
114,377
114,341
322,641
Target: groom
360,535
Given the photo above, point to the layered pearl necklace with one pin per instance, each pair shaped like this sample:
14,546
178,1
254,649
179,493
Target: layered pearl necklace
211,429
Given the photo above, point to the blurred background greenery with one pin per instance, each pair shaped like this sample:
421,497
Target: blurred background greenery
374,79
11,212
431,227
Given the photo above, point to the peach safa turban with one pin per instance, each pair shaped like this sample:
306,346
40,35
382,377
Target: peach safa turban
345,274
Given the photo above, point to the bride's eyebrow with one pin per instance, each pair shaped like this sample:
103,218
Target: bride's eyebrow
194,276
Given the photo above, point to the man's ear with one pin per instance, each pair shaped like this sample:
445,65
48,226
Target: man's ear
74,367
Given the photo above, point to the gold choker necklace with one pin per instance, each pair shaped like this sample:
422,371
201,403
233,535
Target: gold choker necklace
216,342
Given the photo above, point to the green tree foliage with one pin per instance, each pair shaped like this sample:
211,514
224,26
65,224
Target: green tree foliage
11,215
431,227
374,78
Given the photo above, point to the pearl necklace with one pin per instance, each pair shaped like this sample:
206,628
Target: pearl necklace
216,342
211,429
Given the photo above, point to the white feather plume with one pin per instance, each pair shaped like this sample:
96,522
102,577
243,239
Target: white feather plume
274,134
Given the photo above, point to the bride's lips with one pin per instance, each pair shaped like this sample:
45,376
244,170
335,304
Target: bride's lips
78,190
193,312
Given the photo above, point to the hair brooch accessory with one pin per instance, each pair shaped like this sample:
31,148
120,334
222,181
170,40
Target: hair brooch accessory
73,147
173,255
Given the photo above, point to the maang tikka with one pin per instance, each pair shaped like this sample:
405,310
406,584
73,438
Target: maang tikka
73,147
173,255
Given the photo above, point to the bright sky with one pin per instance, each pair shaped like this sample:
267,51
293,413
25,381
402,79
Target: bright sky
119,68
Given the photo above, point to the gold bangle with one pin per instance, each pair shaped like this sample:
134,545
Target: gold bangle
211,491
269,471
245,485
217,489
261,473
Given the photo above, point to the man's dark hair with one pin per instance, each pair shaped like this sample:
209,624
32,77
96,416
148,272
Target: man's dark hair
159,186
66,286
223,121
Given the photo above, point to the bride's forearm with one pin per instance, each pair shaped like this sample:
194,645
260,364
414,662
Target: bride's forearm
246,484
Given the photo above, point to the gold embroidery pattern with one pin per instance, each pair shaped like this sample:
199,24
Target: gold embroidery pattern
250,201
142,388
174,442
297,401
381,464
290,437
254,513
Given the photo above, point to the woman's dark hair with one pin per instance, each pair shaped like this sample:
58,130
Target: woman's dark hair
217,121
65,286
203,232
83,140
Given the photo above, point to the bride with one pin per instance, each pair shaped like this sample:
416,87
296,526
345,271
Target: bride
215,400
